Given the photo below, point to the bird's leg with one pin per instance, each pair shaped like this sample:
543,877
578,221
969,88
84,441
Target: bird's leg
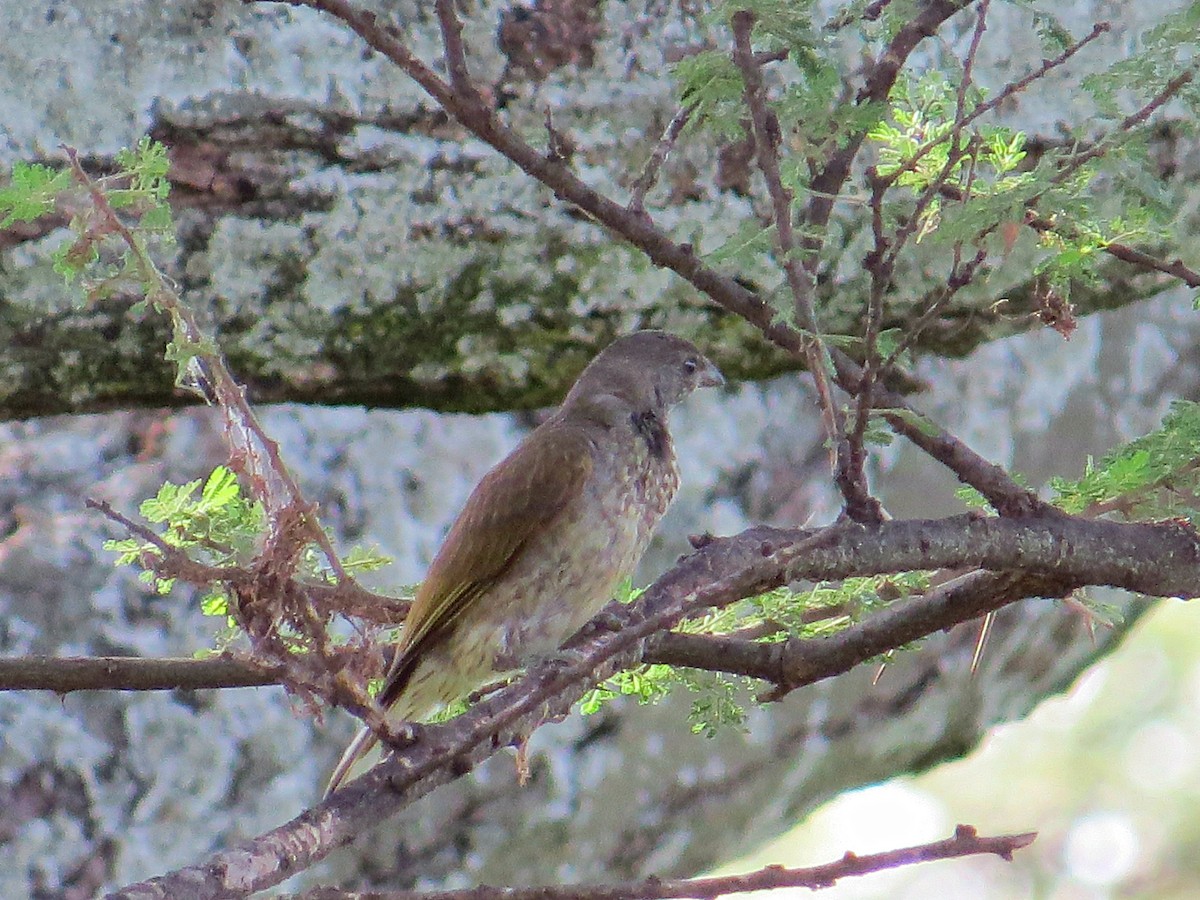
522,761
609,620
402,735
564,658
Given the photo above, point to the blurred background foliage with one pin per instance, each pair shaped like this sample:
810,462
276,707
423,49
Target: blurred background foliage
1107,773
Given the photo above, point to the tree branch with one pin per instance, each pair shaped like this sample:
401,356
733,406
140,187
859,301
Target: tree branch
878,82
1176,268
130,673
1131,121
765,129
1156,559
646,180
965,842
1055,554
1005,495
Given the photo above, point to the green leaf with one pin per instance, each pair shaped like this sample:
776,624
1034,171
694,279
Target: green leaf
363,559
925,425
215,604
168,502
221,488
32,192
749,242
1155,476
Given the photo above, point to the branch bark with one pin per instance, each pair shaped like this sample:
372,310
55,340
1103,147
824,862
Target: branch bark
1049,556
965,842
1157,559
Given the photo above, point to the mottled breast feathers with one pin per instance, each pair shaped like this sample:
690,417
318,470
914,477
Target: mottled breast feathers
547,535
516,500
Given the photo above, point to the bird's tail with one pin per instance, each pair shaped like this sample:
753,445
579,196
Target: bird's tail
349,765
400,704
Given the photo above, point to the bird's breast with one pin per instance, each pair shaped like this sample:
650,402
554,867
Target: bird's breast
594,545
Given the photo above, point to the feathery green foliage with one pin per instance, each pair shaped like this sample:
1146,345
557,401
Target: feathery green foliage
719,700
1156,476
216,527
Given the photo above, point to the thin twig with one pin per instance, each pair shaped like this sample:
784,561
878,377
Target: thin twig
766,142
800,282
646,180
964,86
170,562
965,842
1176,268
1008,91
881,263
348,598
240,419
456,57
1005,495
960,277
880,77
1102,146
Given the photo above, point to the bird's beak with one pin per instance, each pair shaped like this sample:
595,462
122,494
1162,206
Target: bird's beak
710,376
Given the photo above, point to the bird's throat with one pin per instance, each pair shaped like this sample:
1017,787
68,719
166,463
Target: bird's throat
650,429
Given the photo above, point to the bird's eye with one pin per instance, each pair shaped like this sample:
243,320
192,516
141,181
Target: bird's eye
690,366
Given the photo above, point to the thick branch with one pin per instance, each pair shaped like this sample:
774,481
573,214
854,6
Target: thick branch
1054,555
1156,559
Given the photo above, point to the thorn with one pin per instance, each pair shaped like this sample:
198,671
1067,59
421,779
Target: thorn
985,631
522,760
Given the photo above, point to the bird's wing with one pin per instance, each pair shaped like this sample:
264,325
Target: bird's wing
516,501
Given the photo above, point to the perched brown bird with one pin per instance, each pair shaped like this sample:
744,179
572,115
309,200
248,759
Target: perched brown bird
547,535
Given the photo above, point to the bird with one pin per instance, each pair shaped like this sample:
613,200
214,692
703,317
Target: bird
547,535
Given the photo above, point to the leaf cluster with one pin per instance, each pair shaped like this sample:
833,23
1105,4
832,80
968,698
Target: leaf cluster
215,525
1164,51
719,699
924,146
1155,476
97,257
954,177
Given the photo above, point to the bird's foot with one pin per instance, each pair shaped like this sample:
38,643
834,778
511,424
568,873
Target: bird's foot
402,735
563,660
609,621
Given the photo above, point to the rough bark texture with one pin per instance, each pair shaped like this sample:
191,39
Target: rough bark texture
350,245
108,789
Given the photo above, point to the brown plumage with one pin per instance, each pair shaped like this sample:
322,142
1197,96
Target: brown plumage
547,535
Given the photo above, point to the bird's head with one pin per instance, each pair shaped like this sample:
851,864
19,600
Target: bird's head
647,370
